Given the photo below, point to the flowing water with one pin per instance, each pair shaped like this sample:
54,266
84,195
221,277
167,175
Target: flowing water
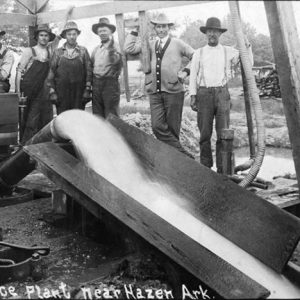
277,161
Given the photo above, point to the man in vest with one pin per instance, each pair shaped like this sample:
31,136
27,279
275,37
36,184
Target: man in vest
208,88
164,82
6,63
70,74
107,65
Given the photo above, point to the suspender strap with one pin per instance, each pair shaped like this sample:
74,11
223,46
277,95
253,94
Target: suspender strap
201,68
33,52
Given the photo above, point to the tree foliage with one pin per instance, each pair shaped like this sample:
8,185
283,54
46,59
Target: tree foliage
261,44
16,36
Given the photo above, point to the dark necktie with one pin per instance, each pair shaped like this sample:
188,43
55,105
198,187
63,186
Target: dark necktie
160,48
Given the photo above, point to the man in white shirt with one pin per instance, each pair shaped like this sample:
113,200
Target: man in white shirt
209,74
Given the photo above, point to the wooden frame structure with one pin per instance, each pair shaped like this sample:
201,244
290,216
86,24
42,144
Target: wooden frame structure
282,26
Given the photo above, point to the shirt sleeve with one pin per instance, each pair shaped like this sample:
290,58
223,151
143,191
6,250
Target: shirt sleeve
24,60
53,67
6,66
236,55
132,44
194,72
88,66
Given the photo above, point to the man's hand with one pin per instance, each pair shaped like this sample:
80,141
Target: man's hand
181,76
53,96
194,103
87,95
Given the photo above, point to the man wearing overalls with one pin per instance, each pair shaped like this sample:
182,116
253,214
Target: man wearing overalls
31,75
209,91
70,73
6,63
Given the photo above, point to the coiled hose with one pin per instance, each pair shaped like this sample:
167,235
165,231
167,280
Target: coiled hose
237,25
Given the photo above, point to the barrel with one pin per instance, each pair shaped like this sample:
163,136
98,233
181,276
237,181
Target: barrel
9,118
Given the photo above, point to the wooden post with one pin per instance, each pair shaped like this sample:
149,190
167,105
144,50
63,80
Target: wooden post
121,35
143,22
286,45
227,136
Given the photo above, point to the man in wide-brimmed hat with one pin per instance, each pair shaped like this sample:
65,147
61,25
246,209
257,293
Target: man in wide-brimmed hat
31,74
107,65
6,63
70,73
164,82
210,70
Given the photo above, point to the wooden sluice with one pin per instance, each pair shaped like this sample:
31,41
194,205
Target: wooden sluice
258,228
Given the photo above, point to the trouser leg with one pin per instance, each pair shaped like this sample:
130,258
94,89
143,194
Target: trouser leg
63,94
97,101
111,96
205,118
32,119
222,98
174,106
77,89
159,121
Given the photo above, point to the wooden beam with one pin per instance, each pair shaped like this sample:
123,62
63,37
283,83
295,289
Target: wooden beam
91,190
41,5
109,8
286,45
17,19
30,5
144,33
121,35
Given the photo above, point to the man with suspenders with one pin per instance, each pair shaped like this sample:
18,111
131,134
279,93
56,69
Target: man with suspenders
209,91
31,77
70,75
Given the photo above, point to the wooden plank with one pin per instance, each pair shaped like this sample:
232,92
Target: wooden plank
30,5
144,33
256,226
286,45
9,109
92,190
109,8
121,35
41,5
19,19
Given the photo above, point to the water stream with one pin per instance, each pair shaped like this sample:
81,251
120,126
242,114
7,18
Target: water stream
277,161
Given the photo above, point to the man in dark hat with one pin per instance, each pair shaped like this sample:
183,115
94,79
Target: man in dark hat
31,77
210,70
107,65
164,82
70,73
6,63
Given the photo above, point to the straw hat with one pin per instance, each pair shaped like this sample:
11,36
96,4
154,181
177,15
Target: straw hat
212,23
103,22
71,25
162,19
44,27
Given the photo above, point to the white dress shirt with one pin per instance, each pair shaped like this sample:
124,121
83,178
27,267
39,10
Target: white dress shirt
211,70
162,41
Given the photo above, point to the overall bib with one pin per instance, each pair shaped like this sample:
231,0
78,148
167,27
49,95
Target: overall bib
38,112
70,83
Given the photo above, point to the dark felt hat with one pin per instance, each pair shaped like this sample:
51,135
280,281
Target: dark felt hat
103,22
71,25
44,27
212,23
2,32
